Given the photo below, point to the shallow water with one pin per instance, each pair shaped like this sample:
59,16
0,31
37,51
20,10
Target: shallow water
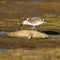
3,32
54,35
4,49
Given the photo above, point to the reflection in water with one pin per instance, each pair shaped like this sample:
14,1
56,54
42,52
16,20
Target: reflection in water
52,33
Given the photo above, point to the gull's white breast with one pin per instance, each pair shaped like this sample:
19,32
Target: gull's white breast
36,23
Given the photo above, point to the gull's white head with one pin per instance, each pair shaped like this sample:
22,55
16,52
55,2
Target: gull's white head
25,22
27,19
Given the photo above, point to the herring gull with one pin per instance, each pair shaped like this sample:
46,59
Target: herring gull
34,21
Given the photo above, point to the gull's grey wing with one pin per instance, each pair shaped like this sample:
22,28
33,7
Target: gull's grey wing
34,20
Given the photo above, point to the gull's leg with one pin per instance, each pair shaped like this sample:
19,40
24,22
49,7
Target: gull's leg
33,27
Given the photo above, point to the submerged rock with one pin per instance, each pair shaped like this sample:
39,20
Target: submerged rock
28,33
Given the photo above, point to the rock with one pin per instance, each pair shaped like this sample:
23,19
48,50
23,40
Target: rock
28,33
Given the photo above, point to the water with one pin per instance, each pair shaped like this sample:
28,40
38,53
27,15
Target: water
3,32
54,35
3,49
